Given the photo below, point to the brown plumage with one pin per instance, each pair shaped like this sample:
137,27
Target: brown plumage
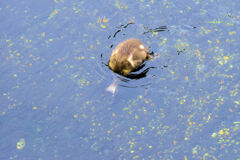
128,56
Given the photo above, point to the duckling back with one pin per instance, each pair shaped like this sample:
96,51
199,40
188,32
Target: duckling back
128,56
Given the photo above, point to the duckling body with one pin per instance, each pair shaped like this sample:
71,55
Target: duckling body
128,56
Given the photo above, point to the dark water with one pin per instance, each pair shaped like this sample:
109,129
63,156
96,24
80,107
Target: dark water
53,79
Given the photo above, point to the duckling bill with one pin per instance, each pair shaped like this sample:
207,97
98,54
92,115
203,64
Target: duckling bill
128,56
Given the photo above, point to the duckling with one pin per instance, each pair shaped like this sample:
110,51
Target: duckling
128,56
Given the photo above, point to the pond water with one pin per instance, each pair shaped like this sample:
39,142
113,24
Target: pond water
54,103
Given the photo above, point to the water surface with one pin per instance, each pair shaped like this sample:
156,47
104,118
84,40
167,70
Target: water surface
53,79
